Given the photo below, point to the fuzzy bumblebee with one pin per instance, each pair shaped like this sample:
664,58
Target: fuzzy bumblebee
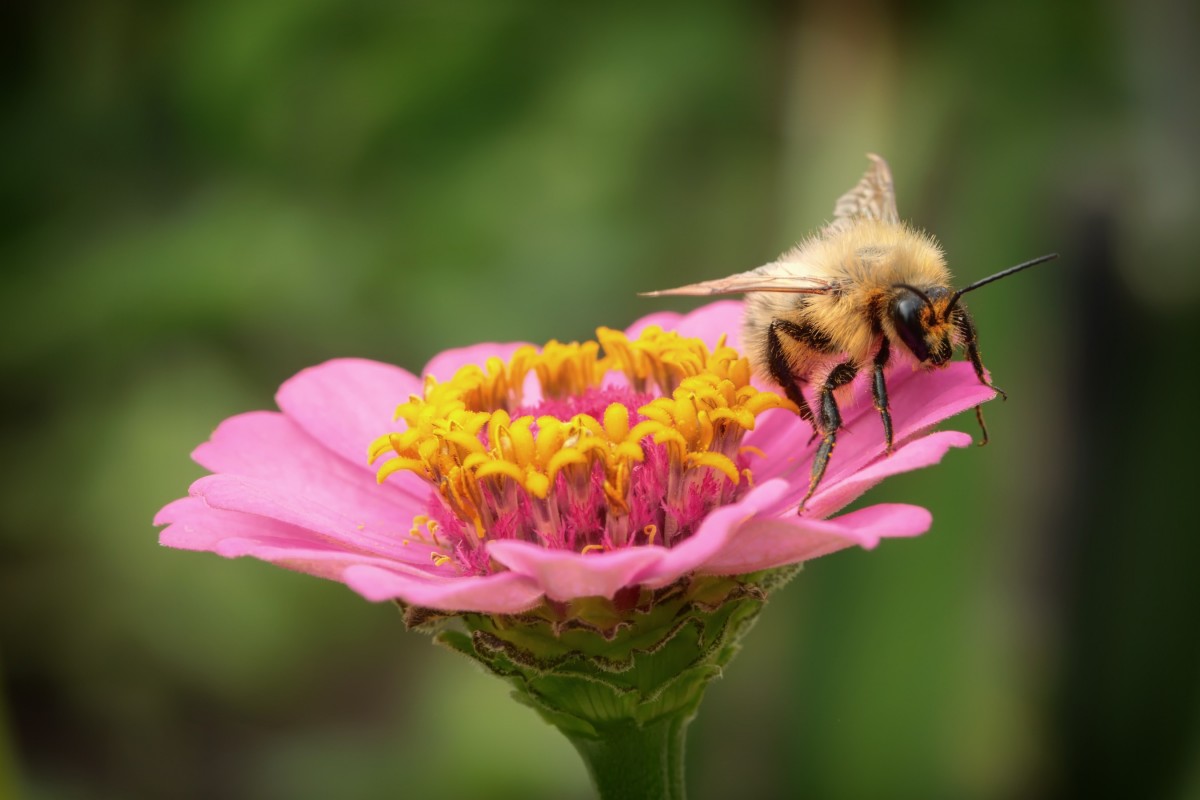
864,290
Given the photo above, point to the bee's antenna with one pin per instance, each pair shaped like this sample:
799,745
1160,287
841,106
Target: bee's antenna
1004,273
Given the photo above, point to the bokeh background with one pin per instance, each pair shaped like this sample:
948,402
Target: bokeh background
198,199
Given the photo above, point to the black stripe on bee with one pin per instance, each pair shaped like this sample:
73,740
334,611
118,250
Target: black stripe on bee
806,334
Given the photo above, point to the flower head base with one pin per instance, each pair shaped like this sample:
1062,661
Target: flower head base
573,451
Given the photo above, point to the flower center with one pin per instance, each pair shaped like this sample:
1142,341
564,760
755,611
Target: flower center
574,450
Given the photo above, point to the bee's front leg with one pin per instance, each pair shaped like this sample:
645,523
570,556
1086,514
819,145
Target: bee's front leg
879,391
829,420
962,321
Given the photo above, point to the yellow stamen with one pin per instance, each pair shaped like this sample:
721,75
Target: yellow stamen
460,432
716,461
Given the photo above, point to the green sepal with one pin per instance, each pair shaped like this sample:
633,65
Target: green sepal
613,672
599,662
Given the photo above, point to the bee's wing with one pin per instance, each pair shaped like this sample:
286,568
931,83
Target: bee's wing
778,276
873,197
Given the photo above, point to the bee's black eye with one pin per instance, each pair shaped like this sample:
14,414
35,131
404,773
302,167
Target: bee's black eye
906,317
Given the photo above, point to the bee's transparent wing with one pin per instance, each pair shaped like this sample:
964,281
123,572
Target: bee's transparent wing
778,276
873,197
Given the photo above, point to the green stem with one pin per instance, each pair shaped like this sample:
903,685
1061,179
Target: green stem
632,762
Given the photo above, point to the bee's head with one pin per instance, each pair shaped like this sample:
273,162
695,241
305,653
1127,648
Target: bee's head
921,321
925,321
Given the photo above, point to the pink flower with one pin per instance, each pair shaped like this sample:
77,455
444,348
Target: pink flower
554,473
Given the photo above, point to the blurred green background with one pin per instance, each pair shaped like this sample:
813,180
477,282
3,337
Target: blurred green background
198,199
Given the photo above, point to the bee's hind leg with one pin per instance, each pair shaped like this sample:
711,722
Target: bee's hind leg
829,420
879,392
971,344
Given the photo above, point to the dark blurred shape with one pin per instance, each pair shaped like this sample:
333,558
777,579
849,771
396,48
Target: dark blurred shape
1127,690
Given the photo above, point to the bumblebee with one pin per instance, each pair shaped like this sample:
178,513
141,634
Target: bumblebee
862,291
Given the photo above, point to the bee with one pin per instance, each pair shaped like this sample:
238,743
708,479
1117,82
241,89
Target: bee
862,290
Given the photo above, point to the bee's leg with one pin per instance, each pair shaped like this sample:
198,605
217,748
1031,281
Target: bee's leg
781,370
971,342
829,420
879,392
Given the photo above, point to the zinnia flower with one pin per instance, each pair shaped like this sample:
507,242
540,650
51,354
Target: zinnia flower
604,519
511,474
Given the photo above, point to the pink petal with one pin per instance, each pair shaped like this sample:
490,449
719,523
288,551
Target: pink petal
501,593
762,543
347,403
923,452
923,398
709,322
182,514
564,574
446,363
271,447
783,439
195,526
667,320
192,525
714,535
358,532
919,400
